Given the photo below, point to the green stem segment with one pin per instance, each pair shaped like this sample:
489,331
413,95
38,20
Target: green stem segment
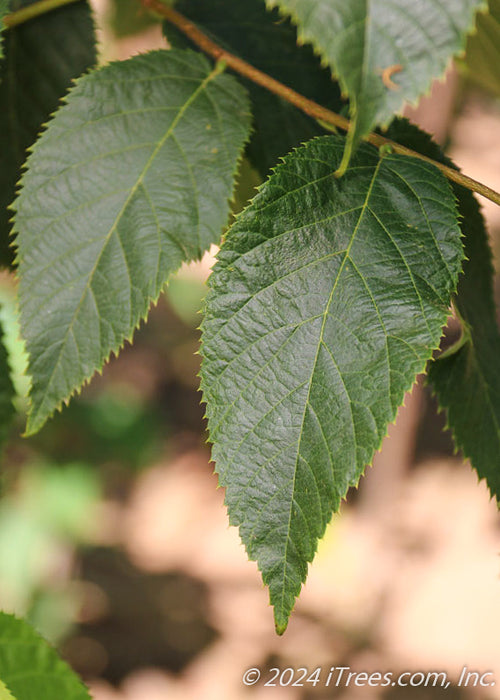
313,109
32,11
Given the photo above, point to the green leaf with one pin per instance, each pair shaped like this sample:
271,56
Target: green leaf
466,378
327,299
467,382
42,57
4,693
482,57
245,28
131,178
383,52
31,669
6,391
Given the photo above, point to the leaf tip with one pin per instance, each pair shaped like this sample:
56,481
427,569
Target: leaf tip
280,625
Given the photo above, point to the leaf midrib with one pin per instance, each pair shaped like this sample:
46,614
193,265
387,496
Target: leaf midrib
215,71
321,342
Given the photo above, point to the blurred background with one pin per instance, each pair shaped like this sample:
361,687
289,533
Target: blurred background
114,539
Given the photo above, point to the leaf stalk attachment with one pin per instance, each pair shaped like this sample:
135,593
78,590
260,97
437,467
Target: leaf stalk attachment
309,107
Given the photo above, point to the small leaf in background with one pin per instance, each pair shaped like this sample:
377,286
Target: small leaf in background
328,298
131,178
51,509
42,57
482,57
270,44
30,667
383,52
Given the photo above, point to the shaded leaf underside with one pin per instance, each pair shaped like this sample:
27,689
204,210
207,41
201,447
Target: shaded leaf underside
131,178
31,669
42,57
383,52
467,381
327,299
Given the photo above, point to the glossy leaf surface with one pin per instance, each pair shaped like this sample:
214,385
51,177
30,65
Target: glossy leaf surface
328,298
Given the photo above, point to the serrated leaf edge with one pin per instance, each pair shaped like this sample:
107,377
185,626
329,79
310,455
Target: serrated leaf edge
38,638
281,626
303,37
32,427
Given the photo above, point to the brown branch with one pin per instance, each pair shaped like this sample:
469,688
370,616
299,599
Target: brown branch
313,109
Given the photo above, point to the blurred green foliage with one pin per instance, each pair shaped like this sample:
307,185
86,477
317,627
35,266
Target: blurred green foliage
123,422
113,426
47,510
482,57
18,359
185,296
52,483
127,17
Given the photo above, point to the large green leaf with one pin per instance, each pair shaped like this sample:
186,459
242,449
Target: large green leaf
383,52
42,57
131,178
245,28
482,57
31,669
327,299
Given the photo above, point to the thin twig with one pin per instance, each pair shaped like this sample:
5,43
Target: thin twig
313,109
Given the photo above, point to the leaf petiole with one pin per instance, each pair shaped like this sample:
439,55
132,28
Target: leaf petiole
313,109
